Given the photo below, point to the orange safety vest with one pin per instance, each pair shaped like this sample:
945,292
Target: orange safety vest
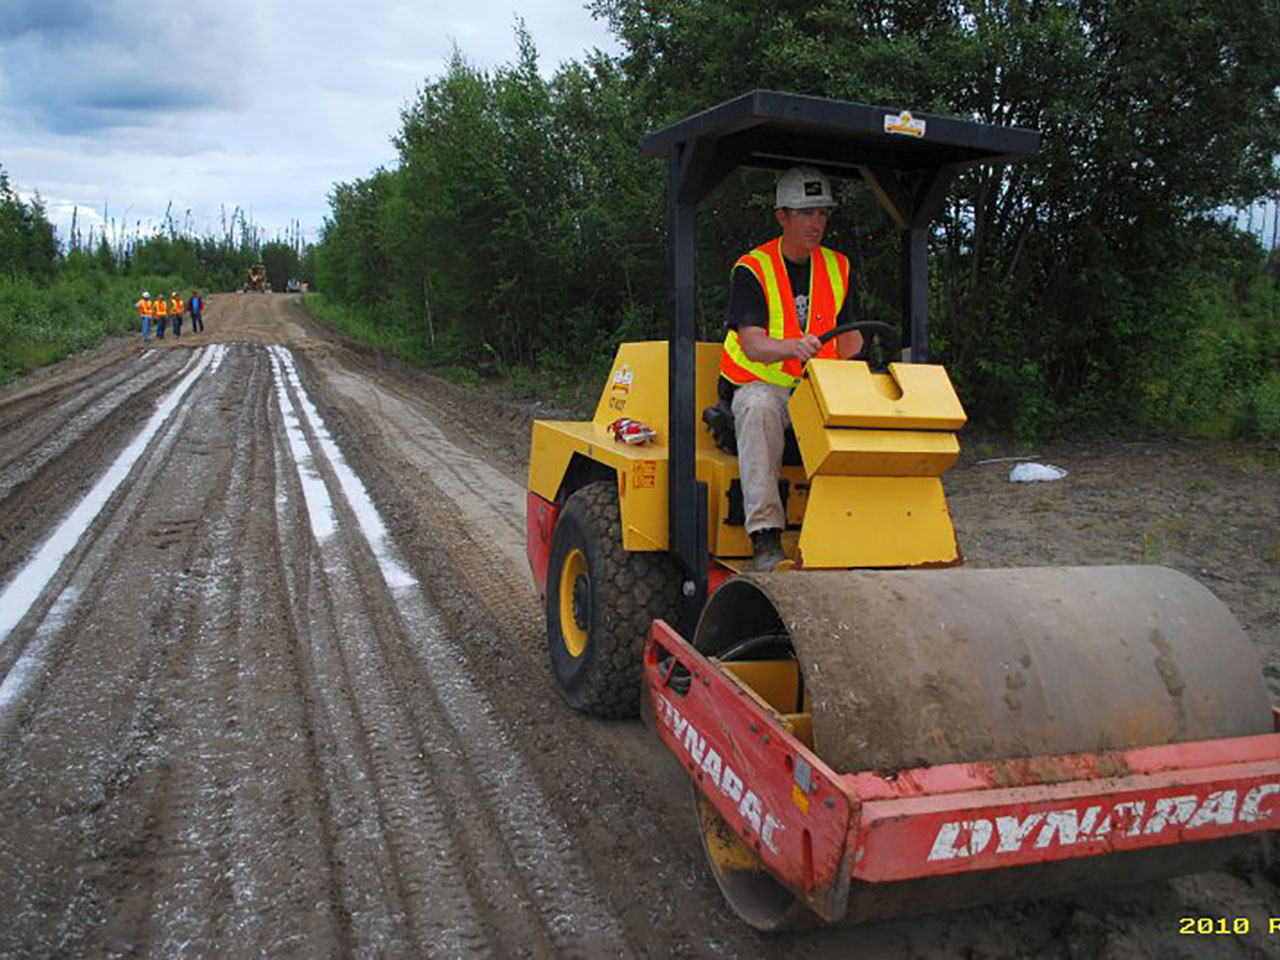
828,285
162,307
145,307
175,307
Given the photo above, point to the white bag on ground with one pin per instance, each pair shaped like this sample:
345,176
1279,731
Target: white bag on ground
1033,472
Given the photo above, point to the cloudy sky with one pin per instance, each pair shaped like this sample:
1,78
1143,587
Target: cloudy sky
130,105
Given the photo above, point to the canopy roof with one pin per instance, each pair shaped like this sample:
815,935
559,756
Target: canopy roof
774,130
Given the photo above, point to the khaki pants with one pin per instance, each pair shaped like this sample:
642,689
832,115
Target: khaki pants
760,420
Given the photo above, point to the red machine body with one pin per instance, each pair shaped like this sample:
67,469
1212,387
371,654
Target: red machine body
816,830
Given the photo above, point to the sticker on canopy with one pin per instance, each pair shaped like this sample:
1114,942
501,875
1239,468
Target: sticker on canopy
904,123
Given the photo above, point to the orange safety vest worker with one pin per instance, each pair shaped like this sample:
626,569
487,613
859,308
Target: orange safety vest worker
162,307
828,285
145,307
175,306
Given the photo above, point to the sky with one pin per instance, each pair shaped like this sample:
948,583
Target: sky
128,106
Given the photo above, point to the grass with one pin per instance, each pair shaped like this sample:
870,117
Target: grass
573,391
388,337
1159,535
1255,462
42,323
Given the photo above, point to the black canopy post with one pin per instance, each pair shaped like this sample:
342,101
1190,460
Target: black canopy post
914,280
687,501
912,199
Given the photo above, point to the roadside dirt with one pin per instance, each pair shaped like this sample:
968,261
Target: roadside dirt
285,689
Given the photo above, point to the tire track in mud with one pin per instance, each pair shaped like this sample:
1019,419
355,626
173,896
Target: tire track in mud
661,888
67,438
374,768
231,728
68,536
110,790
533,868
83,380
162,837
239,862
40,427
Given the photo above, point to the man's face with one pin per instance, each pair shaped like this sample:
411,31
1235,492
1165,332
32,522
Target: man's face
802,230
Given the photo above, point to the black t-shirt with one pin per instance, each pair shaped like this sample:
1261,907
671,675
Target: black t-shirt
748,308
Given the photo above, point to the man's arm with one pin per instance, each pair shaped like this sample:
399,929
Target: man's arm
848,344
748,314
762,348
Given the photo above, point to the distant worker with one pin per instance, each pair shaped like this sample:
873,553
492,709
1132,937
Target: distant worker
175,313
146,310
195,306
162,315
782,297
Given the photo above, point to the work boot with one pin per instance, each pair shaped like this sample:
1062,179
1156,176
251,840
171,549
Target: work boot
767,547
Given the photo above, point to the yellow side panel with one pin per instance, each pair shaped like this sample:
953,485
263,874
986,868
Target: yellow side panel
911,396
637,388
719,470
641,472
872,453
877,522
642,492
550,450
723,540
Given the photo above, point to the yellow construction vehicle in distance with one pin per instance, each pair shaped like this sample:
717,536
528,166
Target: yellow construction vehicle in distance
256,279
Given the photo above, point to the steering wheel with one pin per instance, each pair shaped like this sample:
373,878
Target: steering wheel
873,331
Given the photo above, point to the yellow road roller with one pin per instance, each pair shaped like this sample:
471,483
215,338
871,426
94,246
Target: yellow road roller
874,730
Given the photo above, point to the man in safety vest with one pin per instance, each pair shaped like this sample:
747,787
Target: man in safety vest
782,297
162,314
146,309
175,313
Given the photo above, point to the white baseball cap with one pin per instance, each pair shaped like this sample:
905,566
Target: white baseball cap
802,188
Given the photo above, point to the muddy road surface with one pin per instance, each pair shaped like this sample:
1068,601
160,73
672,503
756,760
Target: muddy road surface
273,678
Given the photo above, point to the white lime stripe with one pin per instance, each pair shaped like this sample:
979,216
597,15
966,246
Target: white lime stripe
22,592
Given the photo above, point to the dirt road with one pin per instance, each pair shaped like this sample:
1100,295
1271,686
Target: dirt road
272,675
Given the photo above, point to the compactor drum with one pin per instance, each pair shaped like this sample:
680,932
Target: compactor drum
875,730
1001,713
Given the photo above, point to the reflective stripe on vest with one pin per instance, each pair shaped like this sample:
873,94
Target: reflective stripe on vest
828,284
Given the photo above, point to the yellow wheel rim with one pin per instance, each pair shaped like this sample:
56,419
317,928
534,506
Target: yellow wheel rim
575,589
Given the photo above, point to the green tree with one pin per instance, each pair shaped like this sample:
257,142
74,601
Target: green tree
522,225
28,241
282,263
1053,280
